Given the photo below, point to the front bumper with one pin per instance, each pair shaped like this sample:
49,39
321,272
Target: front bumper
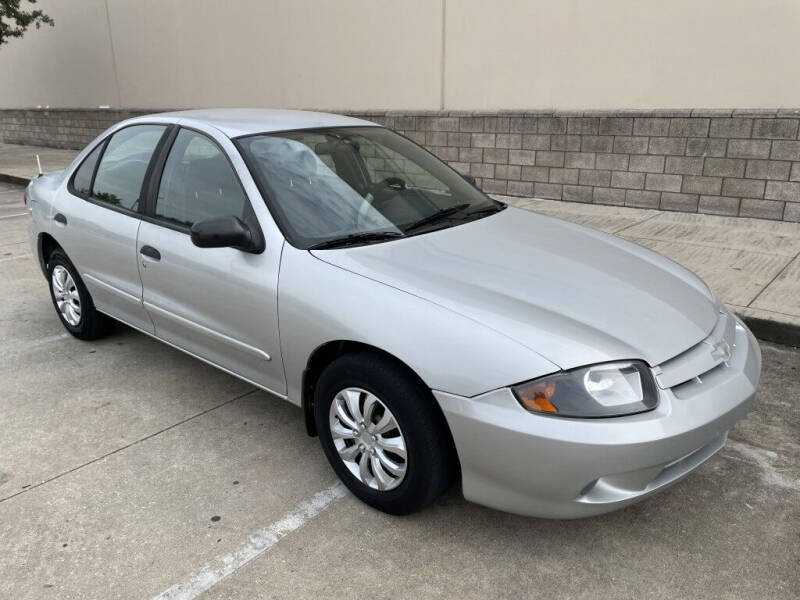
556,467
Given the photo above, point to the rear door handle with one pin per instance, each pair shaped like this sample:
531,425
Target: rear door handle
150,252
59,218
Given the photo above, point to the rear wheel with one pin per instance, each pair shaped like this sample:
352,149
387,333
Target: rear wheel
382,433
72,301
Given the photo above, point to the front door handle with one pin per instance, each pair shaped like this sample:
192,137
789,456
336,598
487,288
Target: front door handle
150,252
59,218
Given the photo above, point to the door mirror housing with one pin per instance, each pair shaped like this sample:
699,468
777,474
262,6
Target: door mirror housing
470,179
226,232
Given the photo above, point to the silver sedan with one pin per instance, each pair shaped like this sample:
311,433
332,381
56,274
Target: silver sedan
426,330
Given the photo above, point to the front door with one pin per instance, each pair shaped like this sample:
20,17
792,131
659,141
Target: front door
219,304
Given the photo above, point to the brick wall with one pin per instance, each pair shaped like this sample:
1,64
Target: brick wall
60,127
726,162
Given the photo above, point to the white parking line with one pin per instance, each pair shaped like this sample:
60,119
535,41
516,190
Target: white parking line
13,216
262,540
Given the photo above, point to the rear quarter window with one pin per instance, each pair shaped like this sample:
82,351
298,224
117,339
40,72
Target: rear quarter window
82,182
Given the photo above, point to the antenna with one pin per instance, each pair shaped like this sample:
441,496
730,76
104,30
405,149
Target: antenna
39,164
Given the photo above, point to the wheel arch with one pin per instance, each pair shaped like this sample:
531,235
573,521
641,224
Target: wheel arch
321,357
325,354
45,244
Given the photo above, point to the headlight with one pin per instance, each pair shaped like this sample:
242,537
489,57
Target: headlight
606,390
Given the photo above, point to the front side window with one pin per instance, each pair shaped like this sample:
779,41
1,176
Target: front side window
357,183
123,166
198,183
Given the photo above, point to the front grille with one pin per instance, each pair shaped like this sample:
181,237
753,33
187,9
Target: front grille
699,383
697,364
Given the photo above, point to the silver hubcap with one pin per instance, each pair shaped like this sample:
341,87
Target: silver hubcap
66,294
368,439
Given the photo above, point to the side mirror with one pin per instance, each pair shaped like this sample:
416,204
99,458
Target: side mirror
224,232
470,179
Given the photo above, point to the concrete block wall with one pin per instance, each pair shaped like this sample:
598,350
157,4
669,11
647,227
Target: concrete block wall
726,162
59,127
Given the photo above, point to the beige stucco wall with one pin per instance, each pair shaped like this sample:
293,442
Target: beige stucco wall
180,53
414,54
622,54
67,65
354,53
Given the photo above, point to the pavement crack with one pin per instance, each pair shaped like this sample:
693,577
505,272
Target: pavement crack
624,227
771,281
711,246
126,446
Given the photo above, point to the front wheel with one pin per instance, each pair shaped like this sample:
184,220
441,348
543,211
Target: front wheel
382,433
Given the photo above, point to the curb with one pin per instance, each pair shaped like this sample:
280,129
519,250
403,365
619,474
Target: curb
14,179
769,330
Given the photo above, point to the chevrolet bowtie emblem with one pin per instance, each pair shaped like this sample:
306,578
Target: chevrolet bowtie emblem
721,351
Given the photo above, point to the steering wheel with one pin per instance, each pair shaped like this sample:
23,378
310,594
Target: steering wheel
377,194
393,183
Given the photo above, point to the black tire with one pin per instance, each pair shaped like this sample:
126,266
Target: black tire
430,455
92,324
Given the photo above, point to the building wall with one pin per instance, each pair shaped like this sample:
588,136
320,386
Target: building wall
67,65
355,54
409,55
614,54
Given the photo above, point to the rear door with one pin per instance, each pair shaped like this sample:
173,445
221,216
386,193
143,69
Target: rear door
98,219
217,303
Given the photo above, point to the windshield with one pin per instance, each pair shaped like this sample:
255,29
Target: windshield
357,184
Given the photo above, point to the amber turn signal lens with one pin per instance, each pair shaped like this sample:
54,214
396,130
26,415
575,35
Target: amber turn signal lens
609,389
537,397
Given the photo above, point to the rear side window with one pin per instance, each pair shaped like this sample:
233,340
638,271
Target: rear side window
82,182
124,163
198,183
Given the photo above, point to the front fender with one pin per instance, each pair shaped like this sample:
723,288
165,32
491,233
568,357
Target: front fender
319,302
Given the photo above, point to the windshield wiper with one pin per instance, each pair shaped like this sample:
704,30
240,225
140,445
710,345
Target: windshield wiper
492,208
357,238
437,216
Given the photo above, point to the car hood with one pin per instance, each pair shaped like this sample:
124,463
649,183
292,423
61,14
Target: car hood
574,295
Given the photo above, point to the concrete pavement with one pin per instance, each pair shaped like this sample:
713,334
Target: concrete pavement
130,470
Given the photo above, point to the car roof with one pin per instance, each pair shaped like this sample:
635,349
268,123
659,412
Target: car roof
235,122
